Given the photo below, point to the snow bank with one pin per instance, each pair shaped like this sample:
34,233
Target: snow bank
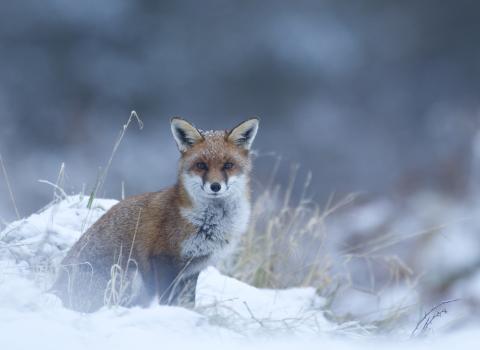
228,312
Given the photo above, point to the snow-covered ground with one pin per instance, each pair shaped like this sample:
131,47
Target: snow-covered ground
228,312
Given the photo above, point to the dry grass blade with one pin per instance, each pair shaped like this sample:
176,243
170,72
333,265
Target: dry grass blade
9,187
103,176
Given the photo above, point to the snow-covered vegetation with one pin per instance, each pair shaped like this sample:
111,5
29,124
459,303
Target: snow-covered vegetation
299,306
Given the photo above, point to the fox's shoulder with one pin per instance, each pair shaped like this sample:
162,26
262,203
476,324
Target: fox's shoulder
147,198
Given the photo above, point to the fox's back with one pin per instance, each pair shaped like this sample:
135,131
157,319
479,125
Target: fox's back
135,227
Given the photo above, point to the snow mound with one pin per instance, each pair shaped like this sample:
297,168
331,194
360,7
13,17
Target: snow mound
46,236
249,309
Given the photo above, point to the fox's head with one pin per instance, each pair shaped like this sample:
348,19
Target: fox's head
214,163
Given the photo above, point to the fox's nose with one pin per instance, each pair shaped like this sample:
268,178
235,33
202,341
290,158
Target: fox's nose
215,187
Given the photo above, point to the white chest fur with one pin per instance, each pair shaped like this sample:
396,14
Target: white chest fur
219,222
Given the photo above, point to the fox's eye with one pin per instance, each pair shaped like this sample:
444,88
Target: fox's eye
228,165
201,166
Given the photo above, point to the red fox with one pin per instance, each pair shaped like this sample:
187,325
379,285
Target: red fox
156,244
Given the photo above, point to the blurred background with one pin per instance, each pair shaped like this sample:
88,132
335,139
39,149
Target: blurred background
372,96
376,97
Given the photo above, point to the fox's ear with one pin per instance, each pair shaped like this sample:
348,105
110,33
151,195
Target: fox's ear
243,134
184,133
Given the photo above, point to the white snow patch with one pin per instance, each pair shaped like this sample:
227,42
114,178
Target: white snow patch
294,311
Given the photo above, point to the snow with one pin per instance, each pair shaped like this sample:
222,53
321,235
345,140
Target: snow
228,312
296,310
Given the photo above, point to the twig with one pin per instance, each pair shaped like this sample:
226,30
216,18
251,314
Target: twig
252,315
428,317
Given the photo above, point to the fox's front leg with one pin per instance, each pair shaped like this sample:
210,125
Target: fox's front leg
165,276
184,291
172,287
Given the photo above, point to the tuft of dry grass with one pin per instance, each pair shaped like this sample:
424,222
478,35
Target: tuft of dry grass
284,245
287,244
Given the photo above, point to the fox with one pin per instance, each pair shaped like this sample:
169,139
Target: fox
154,245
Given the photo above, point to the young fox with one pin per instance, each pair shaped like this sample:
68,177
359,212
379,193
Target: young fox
155,244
